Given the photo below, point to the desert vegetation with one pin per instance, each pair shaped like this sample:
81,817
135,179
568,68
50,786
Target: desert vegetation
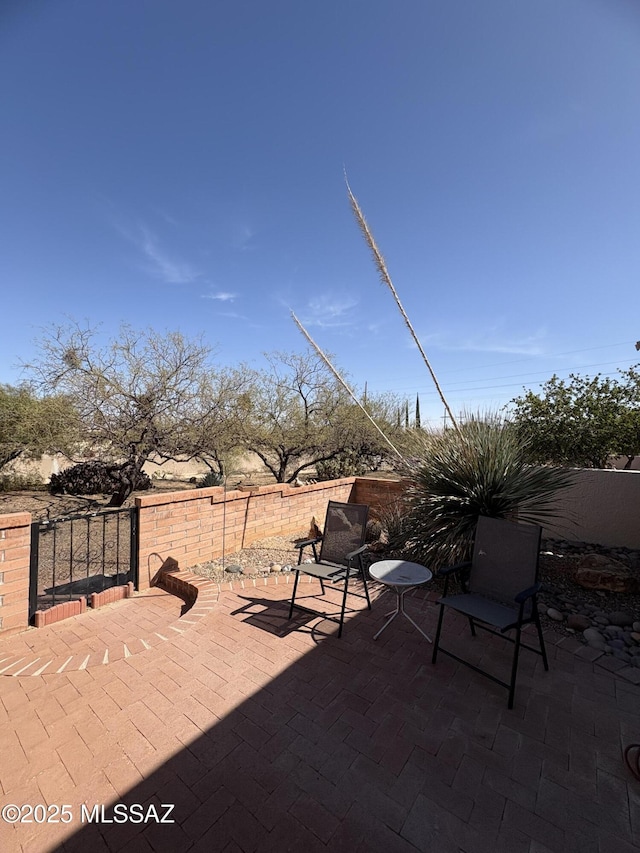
110,407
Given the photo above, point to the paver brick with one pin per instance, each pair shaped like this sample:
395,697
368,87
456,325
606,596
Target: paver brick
267,739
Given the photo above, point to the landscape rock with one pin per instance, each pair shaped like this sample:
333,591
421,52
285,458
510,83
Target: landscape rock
578,622
600,572
593,634
620,618
554,614
275,567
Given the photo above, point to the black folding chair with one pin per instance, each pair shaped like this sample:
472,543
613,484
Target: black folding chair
340,558
500,586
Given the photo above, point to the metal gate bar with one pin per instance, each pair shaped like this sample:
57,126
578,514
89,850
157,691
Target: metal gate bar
68,566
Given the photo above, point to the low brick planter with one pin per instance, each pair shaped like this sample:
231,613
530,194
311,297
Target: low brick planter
59,612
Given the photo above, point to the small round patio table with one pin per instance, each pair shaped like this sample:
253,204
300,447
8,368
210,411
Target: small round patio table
401,576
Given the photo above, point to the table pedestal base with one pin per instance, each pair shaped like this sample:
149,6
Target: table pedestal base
400,593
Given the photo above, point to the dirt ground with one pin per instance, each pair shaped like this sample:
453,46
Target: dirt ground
43,505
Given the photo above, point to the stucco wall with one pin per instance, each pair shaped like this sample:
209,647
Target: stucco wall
603,507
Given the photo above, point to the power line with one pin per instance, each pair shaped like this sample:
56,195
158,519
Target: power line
455,389
551,355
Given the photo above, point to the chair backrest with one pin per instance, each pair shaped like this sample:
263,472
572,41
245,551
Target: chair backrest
344,530
505,558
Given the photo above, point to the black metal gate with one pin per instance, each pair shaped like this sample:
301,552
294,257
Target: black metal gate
76,555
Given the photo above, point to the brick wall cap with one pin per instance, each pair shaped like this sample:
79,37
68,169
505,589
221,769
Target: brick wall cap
217,494
15,519
179,497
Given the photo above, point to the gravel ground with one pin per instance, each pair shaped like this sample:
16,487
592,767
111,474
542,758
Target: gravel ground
256,560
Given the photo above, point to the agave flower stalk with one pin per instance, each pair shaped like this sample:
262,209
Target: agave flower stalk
333,370
386,280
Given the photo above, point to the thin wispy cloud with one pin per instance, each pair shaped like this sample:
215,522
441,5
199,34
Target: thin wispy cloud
327,311
171,270
221,296
242,238
233,315
489,340
168,218
157,261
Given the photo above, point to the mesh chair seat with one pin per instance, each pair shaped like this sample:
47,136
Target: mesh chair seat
484,609
328,571
340,558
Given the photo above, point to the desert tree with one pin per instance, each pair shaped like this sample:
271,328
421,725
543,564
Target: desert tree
215,438
32,424
364,447
143,395
295,416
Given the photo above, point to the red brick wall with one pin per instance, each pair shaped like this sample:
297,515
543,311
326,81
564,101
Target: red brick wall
185,528
180,529
377,493
15,547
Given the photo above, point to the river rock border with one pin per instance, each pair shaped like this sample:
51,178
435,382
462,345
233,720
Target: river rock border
609,632
607,623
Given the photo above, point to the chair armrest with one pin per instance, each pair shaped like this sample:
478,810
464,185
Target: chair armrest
306,542
527,593
449,570
355,553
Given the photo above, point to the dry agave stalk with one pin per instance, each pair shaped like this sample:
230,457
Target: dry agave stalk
333,370
386,280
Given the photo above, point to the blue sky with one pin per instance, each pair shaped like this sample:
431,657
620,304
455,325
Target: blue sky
179,164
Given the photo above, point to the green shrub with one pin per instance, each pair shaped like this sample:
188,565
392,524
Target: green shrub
481,470
347,464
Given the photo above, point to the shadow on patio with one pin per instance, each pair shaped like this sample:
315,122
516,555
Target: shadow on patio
267,738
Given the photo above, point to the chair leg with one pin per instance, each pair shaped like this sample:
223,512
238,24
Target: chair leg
437,637
472,626
293,594
514,667
344,604
366,588
543,648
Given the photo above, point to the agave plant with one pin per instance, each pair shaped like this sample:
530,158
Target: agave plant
211,478
479,470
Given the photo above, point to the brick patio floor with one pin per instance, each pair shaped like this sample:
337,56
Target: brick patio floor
268,735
